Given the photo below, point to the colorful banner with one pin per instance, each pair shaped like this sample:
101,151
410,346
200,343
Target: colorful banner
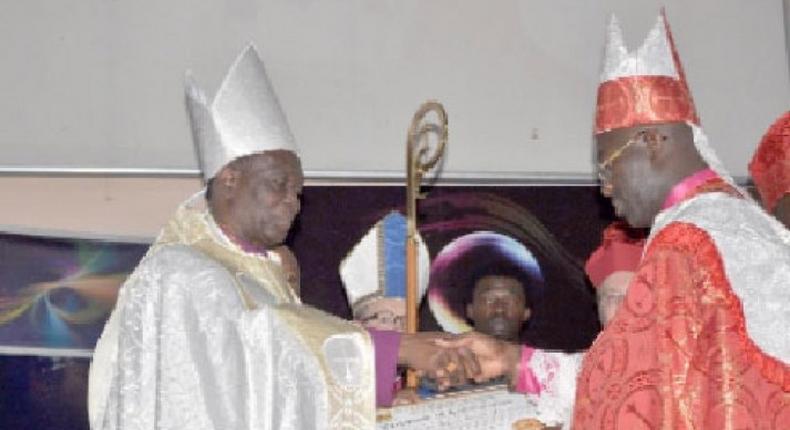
56,293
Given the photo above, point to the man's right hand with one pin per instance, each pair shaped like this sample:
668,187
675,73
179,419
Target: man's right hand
495,357
449,366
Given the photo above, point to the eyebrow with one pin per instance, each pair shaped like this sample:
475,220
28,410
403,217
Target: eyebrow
510,289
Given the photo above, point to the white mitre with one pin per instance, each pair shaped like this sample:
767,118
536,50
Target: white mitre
244,118
648,86
376,266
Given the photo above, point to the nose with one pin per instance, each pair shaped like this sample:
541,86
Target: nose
499,307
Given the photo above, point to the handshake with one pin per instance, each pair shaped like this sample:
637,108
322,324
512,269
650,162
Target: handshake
454,360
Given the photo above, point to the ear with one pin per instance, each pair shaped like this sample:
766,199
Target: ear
527,314
470,311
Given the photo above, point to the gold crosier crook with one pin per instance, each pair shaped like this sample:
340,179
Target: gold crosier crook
418,162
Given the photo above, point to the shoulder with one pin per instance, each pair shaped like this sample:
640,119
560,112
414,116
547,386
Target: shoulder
716,223
682,238
723,215
680,256
178,254
177,265
177,259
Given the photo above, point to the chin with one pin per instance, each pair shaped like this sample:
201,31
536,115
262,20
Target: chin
507,337
638,222
634,221
275,239
629,221
499,334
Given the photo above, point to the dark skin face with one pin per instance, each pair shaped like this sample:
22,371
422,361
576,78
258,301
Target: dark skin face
640,177
782,210
498,307
257,198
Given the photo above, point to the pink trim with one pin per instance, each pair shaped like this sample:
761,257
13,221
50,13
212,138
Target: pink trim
527,382
686,186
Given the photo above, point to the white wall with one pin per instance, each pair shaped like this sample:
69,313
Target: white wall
128,207
787,30
97,83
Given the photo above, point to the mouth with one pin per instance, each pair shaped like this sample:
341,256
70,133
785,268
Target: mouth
277,232
286,220
499,324
287,223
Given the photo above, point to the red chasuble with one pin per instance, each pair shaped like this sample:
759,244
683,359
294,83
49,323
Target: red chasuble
677,354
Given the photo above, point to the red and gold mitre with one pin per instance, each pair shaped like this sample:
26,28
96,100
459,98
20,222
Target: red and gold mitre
646,86
770,165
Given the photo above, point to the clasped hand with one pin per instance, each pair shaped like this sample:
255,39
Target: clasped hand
454,360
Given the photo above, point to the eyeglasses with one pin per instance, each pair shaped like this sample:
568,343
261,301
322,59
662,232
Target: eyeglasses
385,317
646,136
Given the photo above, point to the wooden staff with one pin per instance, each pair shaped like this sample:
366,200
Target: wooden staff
418,162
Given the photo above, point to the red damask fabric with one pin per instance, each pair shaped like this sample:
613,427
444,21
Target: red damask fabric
770,165
676,355
643,100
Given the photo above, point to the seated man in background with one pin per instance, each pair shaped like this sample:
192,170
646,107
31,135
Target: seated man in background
770,169
487,282
499,306
492,281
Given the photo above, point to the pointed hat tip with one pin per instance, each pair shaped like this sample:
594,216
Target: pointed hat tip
192,89
614,29
189,78
249,51
249,57
614,46
662,19
613,26
250,46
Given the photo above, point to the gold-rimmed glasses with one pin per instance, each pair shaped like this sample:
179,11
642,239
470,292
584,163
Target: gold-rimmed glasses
386,317
604,167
